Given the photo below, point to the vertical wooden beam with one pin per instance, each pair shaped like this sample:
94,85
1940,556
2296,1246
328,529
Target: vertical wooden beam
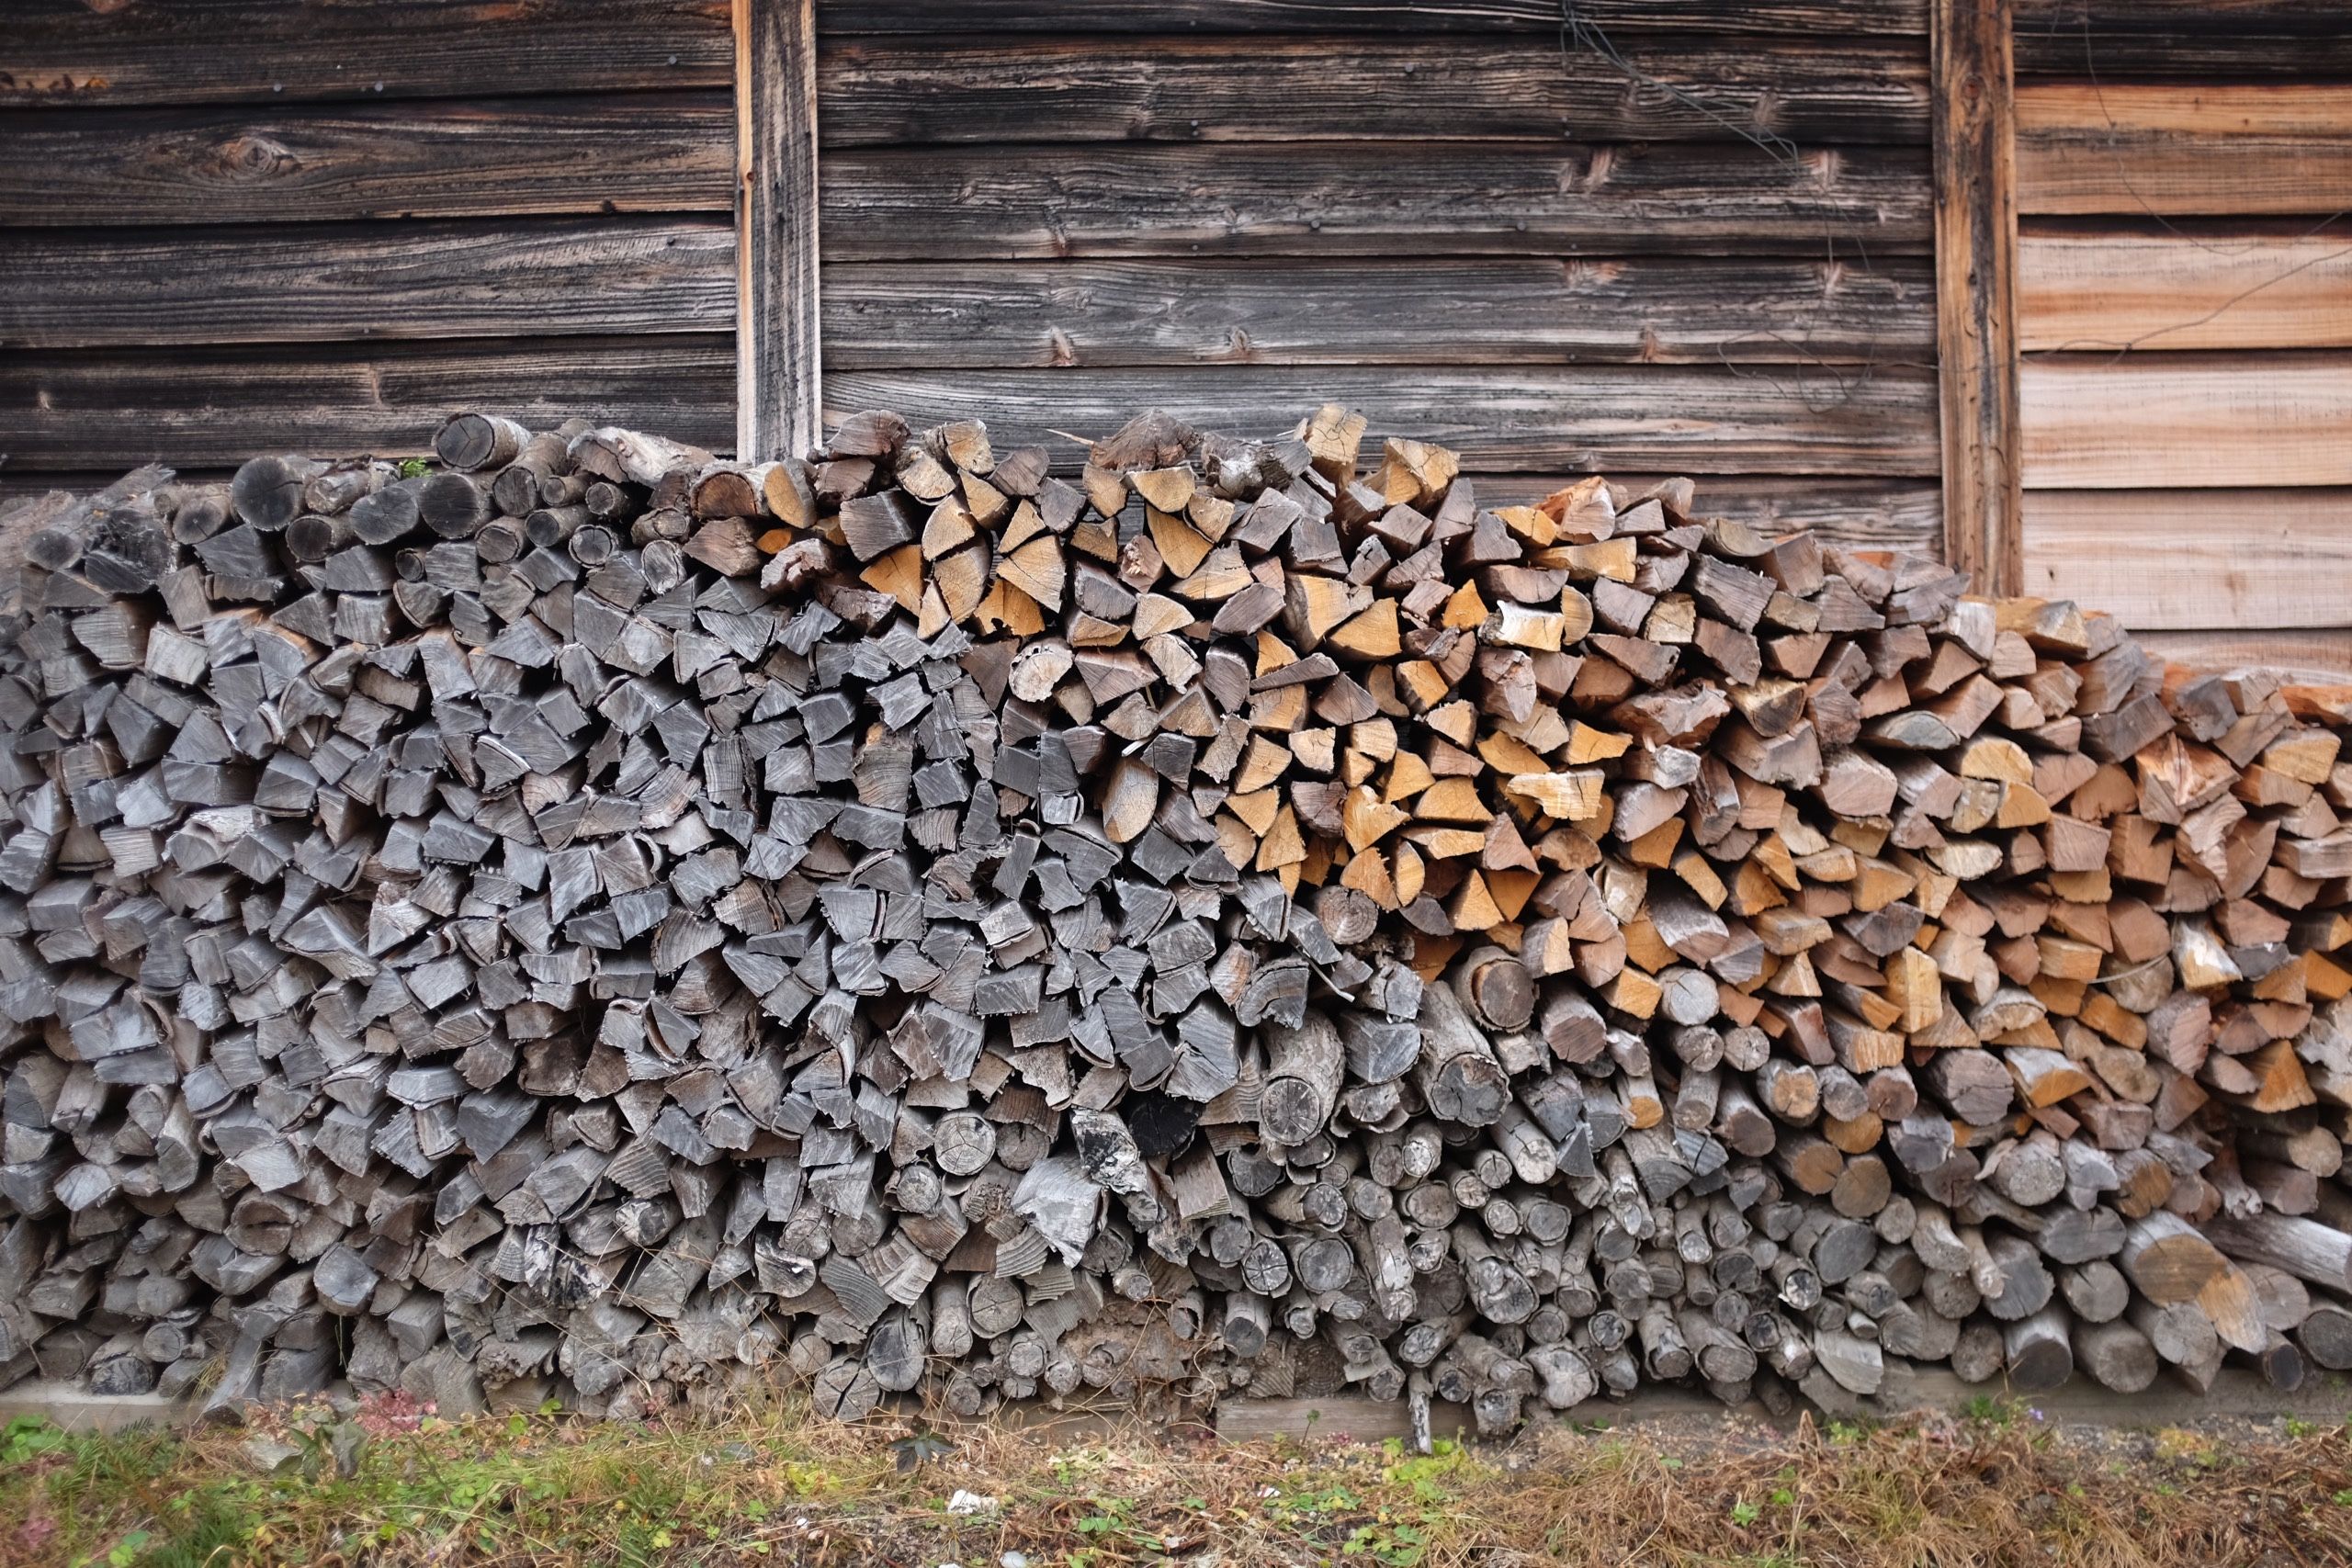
778,403
1976,247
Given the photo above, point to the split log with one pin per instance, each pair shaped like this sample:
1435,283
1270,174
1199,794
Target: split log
596,918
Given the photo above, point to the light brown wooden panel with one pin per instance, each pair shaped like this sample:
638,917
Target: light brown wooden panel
2171,291
1433,310
2320,656
1466,197
2184,559
1525,420
614,152
2100,422
123,52
2117,148
303,284
1349,86
212,407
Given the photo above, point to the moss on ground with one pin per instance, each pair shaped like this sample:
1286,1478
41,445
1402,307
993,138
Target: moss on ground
392,1485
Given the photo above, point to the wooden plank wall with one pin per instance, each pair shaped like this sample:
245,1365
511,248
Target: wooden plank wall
1464,218
2184,308
253,225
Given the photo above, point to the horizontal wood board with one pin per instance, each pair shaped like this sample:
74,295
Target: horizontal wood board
2171,149
1799,18
125,52
210,407
895,90
2195,560
102,412
2320,656
1522,421
1392,310
1020,202
344,282
2196,421
2160,289
2187,40
634,153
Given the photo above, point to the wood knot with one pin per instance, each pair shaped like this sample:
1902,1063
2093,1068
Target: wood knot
254,157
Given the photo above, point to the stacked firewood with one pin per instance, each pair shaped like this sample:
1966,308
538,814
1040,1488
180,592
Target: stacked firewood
581,918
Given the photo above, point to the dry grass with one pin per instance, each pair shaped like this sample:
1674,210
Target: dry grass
777,1487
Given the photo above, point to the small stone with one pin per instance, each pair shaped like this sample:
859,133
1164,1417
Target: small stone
270,1455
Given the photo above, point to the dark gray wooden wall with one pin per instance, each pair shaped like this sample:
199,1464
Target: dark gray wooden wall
1472,225
228,226
238,226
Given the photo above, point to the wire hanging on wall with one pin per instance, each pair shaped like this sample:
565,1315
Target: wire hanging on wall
1578,33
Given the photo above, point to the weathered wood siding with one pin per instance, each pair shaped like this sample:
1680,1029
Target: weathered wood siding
243,225
1469,224
2185,309
248,223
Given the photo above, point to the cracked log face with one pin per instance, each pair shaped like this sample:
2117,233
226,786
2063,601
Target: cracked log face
611,924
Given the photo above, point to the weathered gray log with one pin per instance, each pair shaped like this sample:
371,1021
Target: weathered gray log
2116,1355
1305,1068
596,920
2038,1350
2305,1248
2326,1336
1458,1075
